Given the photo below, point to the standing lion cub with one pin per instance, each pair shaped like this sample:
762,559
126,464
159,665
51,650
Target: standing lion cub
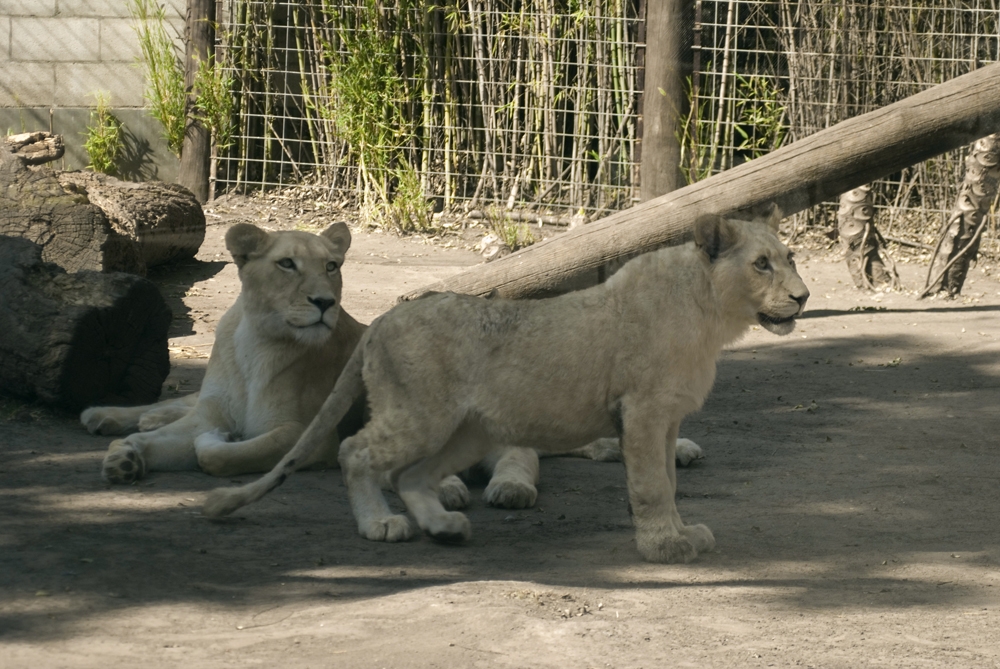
449,377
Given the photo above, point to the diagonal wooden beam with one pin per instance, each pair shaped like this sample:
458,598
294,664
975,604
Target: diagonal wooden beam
797,176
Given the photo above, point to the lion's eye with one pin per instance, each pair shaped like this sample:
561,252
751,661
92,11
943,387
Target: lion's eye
791,260
286,263
762,263
332,266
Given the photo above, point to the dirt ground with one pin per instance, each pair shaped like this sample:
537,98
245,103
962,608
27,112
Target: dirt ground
851,481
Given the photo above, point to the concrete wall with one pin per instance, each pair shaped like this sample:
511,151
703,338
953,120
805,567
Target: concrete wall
55,55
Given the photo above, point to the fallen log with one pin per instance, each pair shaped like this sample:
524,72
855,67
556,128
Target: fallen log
164,220
93,221
75,340
72,232
795,177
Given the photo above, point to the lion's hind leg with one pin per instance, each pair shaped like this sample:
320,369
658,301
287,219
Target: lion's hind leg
418,485
513,475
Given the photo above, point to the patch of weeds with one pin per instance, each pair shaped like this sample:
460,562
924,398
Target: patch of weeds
214,102
513,234
17,411
164,71
105,145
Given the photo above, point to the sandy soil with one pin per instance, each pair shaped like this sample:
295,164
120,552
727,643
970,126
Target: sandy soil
851,481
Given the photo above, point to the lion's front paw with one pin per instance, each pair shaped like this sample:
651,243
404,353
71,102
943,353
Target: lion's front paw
389,529
123,463
453,493
99,420
450,528
510,494
687,452
668,549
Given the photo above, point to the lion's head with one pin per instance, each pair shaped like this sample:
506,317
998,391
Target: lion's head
755,271
291,280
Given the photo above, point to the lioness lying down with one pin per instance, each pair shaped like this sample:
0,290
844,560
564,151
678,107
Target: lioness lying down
278,351
449,377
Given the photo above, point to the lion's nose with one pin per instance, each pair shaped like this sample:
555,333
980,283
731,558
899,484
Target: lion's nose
801,299
323,303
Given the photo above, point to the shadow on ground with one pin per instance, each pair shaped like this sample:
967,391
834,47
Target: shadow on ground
839,471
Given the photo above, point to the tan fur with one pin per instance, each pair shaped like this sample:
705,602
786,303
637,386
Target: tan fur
278,351
451,377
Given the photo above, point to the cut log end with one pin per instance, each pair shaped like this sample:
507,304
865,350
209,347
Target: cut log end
118,353
76,340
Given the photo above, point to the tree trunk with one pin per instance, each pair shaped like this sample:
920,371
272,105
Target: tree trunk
860,239
197,147
163,220
667,63
81,339
959,242
72,232
796,176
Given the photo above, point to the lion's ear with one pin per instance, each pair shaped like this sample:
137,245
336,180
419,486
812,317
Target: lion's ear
769,214
339,235
715,235
244,239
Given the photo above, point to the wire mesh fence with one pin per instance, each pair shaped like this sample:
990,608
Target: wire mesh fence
769,72
534,104
522,103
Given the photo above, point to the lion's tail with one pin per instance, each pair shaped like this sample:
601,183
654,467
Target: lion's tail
350,386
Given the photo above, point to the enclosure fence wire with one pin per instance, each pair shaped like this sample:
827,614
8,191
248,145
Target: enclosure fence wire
772,72
519,104
534,104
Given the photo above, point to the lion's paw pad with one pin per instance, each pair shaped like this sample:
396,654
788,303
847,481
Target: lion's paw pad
453,493
687,452
389,529
510,494
124,465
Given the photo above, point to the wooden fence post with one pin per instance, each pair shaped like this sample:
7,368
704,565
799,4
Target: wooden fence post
197,147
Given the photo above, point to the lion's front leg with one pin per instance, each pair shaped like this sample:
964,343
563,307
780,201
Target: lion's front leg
122,420
170,448
661,536
219,456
